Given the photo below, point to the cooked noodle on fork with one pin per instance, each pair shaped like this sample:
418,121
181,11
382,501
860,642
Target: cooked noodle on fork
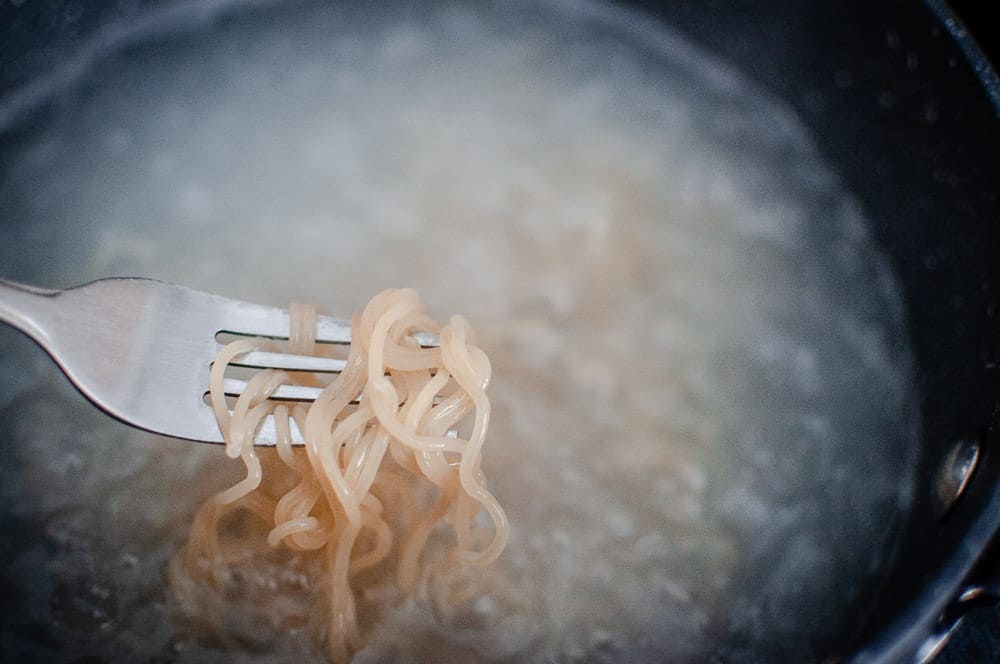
376,444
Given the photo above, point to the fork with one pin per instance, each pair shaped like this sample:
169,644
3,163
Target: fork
141,349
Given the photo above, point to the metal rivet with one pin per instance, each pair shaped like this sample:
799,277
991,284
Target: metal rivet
956,470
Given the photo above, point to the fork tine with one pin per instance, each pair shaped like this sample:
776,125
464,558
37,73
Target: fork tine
267,434
256,320
289,362
233,387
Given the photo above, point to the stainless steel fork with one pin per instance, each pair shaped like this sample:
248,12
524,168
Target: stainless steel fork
141,349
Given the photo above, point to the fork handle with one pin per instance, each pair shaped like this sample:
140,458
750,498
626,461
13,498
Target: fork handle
24,307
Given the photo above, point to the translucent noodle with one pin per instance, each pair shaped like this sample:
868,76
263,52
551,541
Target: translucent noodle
377,473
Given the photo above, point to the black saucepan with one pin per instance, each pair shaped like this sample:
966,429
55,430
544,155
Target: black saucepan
905,107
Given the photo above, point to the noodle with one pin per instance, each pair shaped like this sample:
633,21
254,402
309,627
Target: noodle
342,488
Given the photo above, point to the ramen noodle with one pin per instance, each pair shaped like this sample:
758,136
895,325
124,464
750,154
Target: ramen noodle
377,446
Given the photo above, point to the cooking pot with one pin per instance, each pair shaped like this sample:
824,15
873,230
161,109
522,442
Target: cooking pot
904,106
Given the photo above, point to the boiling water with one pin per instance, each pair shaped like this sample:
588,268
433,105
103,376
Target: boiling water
701,377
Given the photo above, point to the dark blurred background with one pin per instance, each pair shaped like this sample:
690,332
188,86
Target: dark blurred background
982,19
